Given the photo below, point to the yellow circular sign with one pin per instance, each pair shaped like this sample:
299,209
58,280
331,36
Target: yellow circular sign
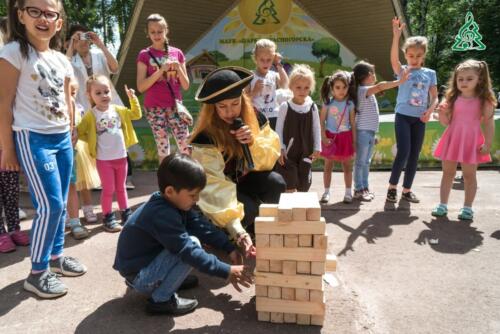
265,16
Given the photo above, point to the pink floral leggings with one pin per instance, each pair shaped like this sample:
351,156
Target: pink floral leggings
162,119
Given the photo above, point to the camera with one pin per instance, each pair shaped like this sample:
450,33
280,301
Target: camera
85,36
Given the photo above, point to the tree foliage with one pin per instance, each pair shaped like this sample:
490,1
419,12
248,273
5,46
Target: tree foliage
440,21
326,50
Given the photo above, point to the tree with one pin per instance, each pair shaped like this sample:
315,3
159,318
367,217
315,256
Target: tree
218,56
326,49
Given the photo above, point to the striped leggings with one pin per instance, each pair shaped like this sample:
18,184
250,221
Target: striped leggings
47,160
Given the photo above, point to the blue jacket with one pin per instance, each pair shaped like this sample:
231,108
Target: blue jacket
157,225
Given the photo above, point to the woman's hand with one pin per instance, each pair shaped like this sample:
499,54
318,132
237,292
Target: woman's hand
9,161
397,26
243,135
246,245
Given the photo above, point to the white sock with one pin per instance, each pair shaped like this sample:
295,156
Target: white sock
348,191
327,191
443,205
88,208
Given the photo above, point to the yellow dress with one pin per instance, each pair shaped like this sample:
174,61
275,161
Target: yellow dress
86,171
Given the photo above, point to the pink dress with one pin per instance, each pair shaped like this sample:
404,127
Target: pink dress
462,138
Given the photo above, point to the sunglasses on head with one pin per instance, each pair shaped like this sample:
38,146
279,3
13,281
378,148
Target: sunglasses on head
35,13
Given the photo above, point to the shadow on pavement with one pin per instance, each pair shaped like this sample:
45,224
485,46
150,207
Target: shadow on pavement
447,236
496,235
377,226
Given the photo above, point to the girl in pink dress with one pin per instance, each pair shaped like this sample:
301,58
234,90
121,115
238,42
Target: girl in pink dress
469,101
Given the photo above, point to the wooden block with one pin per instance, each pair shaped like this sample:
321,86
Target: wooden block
289,281
277,317
313,214
269,225
320,241
262,240
289,267
331,262
290,318
262,265
305,240
303,267
291,240
318,268
264,316
285,214
268,210
316,296
299,214
303,319
261,290
289,306
296,254
276,266
276,240
317,320
287,293
274,292
302,295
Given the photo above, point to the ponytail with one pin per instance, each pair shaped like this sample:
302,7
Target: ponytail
326,87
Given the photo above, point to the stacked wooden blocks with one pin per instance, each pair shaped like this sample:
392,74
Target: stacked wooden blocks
292,258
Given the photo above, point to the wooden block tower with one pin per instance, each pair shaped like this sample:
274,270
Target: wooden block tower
292,258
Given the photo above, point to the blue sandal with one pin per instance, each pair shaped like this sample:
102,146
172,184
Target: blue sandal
466,214
439,211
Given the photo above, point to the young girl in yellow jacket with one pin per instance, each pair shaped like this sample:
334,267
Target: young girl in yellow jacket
109,132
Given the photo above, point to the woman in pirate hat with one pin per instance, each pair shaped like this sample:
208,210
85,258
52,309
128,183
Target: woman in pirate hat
234,192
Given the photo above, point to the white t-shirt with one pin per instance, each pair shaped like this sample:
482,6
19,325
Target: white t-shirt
110,140
266,101
39,104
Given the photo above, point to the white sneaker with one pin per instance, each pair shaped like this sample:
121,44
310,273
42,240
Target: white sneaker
22,214
90,216
325,198
348,198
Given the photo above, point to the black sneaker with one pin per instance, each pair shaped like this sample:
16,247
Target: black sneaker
410,197
45,285
126,215
110,223
190,282
67,266
392,195
175,306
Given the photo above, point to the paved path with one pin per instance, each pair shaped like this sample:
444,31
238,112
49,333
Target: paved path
393,276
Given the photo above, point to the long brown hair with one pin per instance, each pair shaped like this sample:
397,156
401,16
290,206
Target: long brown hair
17,30
326,87
211,124
483,91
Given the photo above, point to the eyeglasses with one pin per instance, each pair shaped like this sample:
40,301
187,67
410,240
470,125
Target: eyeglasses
35,13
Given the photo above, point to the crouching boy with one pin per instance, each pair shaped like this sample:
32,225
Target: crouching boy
160,243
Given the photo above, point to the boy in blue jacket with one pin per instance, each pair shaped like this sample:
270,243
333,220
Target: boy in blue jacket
160,243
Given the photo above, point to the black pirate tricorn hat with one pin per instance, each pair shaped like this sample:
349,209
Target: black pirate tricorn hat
223,83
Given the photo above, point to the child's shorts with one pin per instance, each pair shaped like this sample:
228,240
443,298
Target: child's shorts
340,148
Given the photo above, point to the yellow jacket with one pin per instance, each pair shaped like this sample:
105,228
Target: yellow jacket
218,199
87,130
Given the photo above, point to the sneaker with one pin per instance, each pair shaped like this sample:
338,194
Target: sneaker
77,230
88,213
6,243
459,178
175,306
110,223
392,195
466,214
22,214
410,197
358,194
67,266
439,211
325,198
20,238
129,184
370,193
190,282
125,214
45,285
348,198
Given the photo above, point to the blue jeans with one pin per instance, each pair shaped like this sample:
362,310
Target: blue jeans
365,140
410,132
47,160
163,276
